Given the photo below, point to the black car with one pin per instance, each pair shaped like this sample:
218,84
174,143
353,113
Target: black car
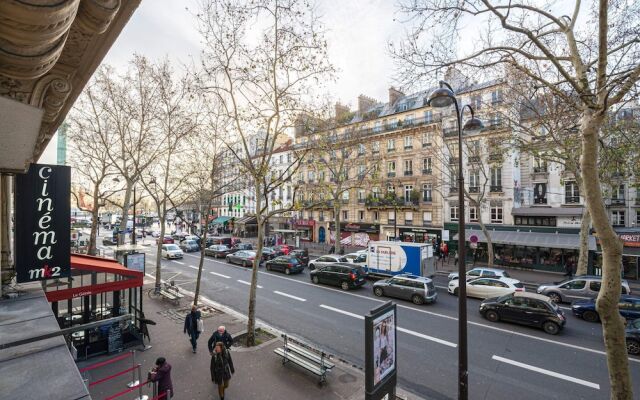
302,255
345,275
242,257
286,264
526,309
632,333
268,253
217,251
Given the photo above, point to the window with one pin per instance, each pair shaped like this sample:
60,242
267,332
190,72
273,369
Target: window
453,149
637,217
361,171
345,215
426,165
394,123
540,193
407,192
426,192
361,149
360,195
427,217
377,127
476,102
571,193
360,215
392,216
474,181
408,217
312,176
473,214
574,285
426,139
391,189
474,150
321,176
375,192
391,145
289,157
617,195
376,215
428,117
345,195
539,164
453,213
496,179
391,166
617,218
496,212
496,96
594,286
408,167
408,142
375,147
408,120
320,215
281,159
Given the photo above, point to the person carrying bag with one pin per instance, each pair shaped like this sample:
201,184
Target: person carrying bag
221,368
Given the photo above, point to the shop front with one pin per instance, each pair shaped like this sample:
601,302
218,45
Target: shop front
416,234
246,226
356,234
305,229
630,254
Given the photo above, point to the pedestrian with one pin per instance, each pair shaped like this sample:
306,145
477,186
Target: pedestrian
220,335
455,257
193,326
568,267
161,373
332,249
445,251
221,368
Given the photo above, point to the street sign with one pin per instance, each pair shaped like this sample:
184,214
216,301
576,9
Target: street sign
473,239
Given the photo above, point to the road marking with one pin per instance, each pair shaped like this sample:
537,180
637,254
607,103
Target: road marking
248,283
179,262
341,311
289,295
547,372
192,266
427,337
220,275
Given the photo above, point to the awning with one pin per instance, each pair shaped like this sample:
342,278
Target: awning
247,220
547,211
221,220
531,239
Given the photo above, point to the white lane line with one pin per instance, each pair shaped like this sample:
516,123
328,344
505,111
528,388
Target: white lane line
220,275
179,262
248,283
289,296
192,266
427,337
350,314
547,372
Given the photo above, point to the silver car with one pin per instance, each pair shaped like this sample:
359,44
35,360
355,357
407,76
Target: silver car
327,260
418,289
578,287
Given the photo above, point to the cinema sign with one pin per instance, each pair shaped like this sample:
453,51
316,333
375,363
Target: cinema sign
43,223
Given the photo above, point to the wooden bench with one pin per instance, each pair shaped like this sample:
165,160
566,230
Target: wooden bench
314,361
172,294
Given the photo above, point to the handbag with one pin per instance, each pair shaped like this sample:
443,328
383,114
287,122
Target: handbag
200,325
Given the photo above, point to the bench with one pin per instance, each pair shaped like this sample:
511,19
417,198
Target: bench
314,361
172,294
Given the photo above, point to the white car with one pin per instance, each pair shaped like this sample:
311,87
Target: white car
357,258
326,260
170,251
482,272
483,288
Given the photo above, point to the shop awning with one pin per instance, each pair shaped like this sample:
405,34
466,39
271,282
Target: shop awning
247,220
531,239
547,211
221,220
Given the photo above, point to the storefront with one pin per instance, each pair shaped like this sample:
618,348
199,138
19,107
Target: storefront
416,234
246,226
222,224
356,234
99,289
305,228
630,254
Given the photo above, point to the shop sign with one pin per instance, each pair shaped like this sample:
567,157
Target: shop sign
569,222
305,222
630,239
351,227
43,223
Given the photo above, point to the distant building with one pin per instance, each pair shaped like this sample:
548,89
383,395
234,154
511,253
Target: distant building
62,145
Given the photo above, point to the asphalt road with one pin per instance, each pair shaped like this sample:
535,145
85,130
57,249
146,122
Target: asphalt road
505,360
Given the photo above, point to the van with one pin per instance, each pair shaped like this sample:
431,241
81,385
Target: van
219,240
578,287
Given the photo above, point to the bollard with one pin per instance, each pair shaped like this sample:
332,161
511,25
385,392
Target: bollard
140,395
134,381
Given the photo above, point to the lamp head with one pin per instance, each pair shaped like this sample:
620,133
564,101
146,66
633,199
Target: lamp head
441,97
473,125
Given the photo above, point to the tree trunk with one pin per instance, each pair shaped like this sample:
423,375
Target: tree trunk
613,328
162,218
203,244
251,323
125,214
337,207
91,248
583,257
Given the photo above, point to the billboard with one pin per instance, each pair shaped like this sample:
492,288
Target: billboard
135,261
43,223
380,352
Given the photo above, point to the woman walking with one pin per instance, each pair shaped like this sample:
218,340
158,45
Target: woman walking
221,368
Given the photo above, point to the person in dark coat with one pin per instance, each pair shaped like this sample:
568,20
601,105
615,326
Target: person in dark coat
220,335
221,368
191,326
161,373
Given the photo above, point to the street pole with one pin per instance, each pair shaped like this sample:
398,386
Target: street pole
395,223
133,238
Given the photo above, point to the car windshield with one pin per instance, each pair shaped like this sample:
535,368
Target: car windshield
172,247
343,259
504,298
554,306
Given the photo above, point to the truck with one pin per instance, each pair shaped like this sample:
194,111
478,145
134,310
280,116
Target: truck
388,258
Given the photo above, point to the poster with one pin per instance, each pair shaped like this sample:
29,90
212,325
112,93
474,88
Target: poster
384,346
135,261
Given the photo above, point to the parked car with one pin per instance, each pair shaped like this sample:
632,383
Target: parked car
189,246
526,309
241,246
268,253
138,233
357,258
286,264
345,275
211,240
242,257
327,260
628,306
283,249
155,234
632,332
484,288
167,239
418,289
578,287
109,241
194,238
170,251
302,255
482,272
217,251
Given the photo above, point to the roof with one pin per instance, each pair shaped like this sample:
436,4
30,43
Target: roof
547,211
531,239
531,295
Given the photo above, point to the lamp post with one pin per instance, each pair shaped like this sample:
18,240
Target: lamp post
133,238
442,97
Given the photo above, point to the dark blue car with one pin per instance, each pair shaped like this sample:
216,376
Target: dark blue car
629,307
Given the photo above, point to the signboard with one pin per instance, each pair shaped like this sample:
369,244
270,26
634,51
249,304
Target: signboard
445,235
135,261
352,227
380,352
569,222
43,223
473,239
631,239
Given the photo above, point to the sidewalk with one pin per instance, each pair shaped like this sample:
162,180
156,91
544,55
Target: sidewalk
259,372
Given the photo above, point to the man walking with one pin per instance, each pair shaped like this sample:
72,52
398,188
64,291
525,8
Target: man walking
193,325
220,335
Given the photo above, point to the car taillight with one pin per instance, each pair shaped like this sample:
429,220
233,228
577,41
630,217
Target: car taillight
352,276
520,289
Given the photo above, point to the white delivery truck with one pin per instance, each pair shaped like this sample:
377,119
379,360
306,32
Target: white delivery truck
386,258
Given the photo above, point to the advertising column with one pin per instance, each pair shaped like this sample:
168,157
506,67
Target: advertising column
381,353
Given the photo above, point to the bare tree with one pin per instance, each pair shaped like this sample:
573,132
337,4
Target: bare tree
260,61
591,64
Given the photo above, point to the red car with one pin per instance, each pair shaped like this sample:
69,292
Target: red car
283,249
167,239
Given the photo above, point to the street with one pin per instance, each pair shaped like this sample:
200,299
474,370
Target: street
505,360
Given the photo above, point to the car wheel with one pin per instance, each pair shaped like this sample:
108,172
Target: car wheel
315,279
344,286
378,291
456,291
551,328
492,316
590,316
417,299
287,271
555,297
633,346
227,260
311,267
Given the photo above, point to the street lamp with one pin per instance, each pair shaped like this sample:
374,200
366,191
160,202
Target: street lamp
442,97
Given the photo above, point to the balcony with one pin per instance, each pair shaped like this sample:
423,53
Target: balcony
495,157
427,199
474,189
496,100
360,201
345,201
392,221
408,147
542,200
571,199
321,218
426,145
408,173
391,150
453,190
540,170
494,125
474,159
375,151
450,132
495,189
426,172
618,202
391,174
360,177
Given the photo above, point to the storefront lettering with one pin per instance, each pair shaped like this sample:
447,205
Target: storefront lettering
44,238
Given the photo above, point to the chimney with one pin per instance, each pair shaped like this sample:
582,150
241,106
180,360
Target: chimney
341,111
365,103
394,95
300,125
